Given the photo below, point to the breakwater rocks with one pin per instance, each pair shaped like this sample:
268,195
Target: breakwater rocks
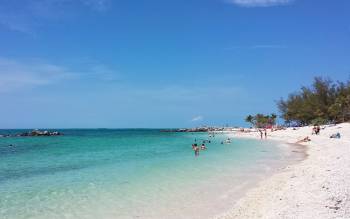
33,133
199,129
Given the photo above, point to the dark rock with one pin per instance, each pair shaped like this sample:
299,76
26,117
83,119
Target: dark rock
35,132
198,129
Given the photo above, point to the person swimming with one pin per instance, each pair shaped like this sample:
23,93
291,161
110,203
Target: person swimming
203,147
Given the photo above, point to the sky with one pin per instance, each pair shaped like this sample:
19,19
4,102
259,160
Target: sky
162,63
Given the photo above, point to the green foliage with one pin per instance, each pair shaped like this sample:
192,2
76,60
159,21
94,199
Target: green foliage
323,102
261,120
318,121
250,119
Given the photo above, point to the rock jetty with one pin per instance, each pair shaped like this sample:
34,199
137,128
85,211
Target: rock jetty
198,129
34,133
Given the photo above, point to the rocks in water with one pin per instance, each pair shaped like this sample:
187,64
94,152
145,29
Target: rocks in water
4,136
37,132
198,129
33,133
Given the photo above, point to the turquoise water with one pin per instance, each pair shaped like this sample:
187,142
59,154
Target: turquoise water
138,173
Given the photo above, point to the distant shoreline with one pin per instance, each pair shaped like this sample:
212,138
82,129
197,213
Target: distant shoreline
201,129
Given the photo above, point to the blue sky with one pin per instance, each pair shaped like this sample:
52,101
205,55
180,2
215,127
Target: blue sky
156,63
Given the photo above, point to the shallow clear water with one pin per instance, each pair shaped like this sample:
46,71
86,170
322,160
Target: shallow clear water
131,173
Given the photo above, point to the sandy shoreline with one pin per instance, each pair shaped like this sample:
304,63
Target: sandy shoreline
316,187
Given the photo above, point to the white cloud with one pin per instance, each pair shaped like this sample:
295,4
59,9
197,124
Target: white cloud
99,5
258,46
268,46
101,72
28,15
197,118
21,74
259,3
16,75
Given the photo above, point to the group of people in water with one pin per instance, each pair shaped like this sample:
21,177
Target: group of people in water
198,147
227,141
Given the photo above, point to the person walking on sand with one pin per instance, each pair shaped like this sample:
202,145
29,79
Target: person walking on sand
316,130
261,134
265,133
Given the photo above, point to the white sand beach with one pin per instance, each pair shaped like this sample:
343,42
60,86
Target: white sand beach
317,187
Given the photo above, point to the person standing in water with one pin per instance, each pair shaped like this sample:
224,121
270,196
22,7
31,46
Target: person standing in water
195,148
196,151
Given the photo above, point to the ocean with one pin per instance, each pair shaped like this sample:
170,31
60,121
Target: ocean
129,173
